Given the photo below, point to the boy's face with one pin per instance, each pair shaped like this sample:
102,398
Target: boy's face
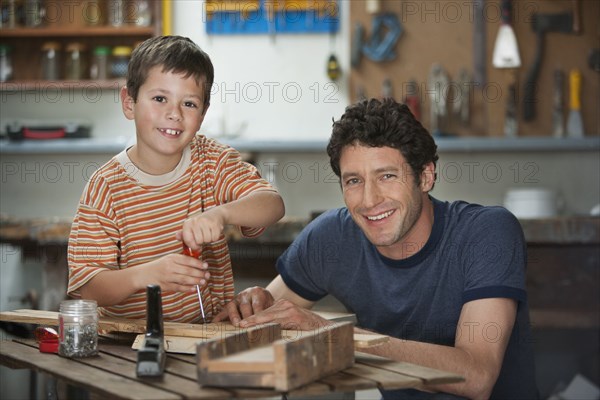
168,113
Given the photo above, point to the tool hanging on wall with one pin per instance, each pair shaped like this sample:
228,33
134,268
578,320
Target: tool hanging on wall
412,100
506,56
558,122
387,89
386,30
462,96
357,44
479,43
541,24
574,120
334,71
506,50
438,87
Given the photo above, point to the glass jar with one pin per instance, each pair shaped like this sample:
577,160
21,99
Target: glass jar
33,13
116,13
99,69
51,61
78,328
120,61
6,68
141,12
75,64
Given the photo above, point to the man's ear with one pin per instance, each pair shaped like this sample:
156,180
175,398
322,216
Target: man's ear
127,103
428,177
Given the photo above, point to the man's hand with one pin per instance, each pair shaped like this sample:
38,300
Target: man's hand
288,315
247,303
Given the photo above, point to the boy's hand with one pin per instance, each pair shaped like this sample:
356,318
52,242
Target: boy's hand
177,272
203,228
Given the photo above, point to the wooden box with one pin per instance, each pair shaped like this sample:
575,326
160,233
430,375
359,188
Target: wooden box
260,358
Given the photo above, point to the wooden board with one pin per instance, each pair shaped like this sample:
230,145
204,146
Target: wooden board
259,357
113,375
181,337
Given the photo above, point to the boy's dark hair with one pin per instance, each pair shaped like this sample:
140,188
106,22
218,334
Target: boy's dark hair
386,123
175,54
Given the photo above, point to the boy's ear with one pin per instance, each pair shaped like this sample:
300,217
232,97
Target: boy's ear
127,103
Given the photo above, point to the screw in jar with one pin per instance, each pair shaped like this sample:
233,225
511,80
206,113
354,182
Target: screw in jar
78,328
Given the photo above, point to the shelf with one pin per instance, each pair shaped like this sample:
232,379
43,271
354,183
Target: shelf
445,145
87,31
16,86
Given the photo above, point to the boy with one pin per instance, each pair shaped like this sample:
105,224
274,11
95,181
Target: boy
171,189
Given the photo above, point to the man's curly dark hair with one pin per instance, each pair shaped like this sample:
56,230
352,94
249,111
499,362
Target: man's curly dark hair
384,123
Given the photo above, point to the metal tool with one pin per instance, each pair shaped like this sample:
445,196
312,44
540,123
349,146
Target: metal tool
462,102
479,43
151,355
196,254
386,30
558,122
438,88
506,50
542,24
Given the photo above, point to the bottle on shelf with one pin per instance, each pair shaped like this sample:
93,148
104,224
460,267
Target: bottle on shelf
6,68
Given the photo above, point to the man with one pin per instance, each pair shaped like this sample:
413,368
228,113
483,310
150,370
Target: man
446,280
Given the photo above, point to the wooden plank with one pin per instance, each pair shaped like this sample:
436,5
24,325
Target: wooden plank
79,374
344,382
385,379
188,388
429,376
256,360
366,340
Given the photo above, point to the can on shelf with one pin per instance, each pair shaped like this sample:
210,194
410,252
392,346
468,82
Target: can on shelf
120,61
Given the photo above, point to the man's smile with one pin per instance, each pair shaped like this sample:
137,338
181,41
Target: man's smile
381,216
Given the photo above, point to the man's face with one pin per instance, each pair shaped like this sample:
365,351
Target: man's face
381,194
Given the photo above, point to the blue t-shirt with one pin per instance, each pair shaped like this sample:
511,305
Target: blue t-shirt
473,252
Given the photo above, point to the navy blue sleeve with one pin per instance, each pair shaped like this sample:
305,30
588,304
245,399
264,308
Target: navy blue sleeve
495,256
303,266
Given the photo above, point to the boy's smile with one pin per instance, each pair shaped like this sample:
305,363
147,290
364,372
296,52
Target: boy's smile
168,112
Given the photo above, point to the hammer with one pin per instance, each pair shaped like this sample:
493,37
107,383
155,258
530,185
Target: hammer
151,355
542,24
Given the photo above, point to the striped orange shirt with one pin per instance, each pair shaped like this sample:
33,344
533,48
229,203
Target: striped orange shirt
126,218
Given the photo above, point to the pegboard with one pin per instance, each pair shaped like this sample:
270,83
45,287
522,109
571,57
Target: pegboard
443,32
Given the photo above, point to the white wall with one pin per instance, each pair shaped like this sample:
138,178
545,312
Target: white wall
265,86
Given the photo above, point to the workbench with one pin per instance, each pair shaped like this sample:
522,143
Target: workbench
112,374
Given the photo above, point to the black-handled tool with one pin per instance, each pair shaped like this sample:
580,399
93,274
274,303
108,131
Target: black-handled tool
151,355
542,24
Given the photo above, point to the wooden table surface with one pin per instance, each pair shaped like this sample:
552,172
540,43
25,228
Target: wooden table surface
111,374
